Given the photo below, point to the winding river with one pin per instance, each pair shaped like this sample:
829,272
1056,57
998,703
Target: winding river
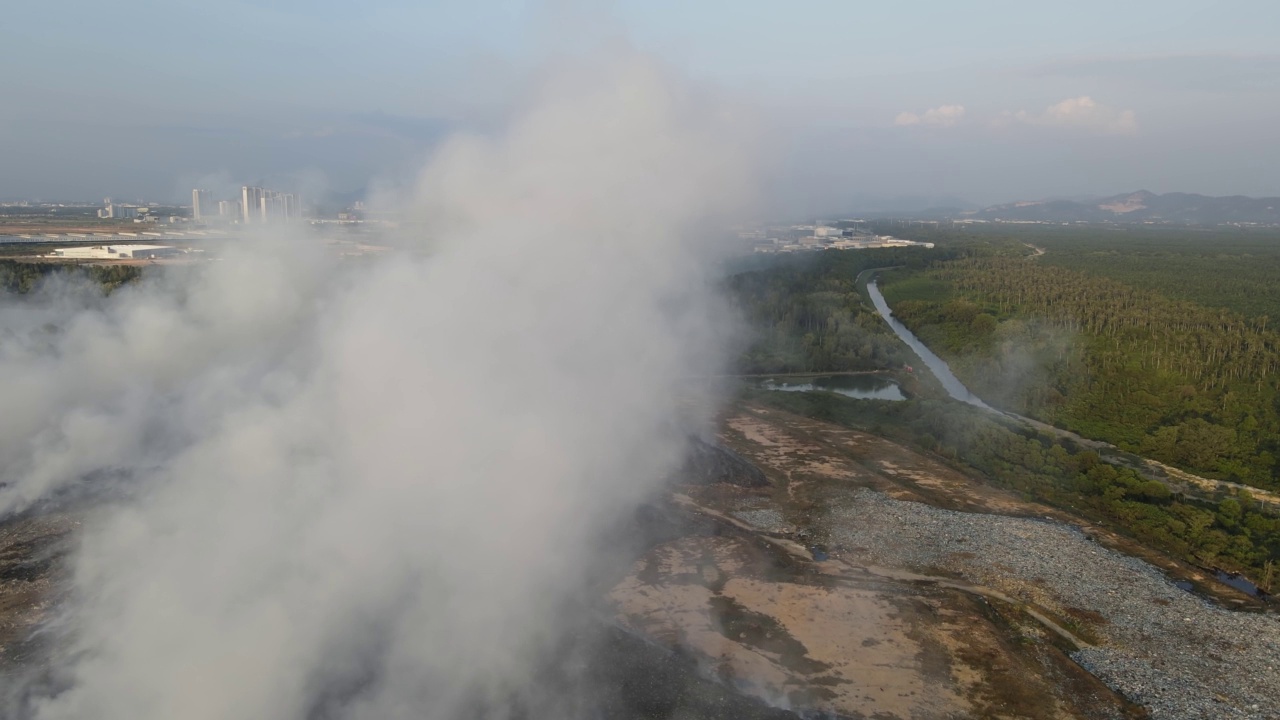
936,365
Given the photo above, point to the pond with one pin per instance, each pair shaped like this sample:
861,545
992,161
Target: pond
861,387
1239,582
1235,580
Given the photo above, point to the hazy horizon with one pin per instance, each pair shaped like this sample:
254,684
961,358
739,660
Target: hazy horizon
991,103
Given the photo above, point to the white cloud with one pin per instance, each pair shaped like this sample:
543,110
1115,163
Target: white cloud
941,116
1082,112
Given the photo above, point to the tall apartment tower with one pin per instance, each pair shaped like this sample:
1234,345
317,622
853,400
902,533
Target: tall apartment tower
202,205
270,207
291,206
250,202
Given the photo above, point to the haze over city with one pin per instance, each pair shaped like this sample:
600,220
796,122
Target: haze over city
983,102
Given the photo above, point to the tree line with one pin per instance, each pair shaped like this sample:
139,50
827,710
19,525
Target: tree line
805,313
17,276
1233,533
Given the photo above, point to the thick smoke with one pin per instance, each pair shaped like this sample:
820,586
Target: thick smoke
366,489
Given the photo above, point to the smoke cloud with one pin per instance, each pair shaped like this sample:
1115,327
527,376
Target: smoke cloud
366,489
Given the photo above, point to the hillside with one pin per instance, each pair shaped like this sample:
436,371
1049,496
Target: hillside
1142,207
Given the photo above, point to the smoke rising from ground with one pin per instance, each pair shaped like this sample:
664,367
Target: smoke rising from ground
366,490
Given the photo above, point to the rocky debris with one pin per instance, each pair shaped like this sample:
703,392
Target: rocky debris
1167,649
32,550
706,463
767,520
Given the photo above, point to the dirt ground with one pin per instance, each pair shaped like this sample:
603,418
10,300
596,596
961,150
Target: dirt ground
772,606
858,648
809,461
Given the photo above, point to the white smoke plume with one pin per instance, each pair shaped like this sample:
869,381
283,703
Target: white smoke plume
364,490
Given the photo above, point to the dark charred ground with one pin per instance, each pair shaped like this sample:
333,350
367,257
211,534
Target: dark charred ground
33,550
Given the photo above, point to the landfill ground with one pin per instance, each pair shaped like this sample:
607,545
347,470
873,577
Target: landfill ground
869,580
859,579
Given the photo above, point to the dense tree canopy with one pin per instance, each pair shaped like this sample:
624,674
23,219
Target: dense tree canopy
1187,384
17,276
1176,371
806,315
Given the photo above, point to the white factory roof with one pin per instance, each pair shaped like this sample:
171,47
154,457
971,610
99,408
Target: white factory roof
115,252
117,248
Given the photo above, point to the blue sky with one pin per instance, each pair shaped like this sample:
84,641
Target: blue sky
987,101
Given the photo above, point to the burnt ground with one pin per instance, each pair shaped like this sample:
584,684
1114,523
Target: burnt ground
32,550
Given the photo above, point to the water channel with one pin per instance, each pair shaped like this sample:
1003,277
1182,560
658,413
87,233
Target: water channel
949,381
860,387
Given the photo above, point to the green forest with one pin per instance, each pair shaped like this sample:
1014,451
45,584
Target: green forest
1181,372
20,277
1232,268
1190,384
806,314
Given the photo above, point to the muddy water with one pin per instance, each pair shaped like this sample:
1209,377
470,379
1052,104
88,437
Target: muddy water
1239,582
936,365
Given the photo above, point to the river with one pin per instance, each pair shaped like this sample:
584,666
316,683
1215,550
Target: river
950,382
1107,452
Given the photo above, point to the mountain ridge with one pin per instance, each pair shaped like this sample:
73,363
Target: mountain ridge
1141,206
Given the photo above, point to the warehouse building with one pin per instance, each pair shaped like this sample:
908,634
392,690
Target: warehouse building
118,252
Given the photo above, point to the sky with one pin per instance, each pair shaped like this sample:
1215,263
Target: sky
862,103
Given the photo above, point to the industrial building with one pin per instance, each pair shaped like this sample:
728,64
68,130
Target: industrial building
118,252
855,242
115,211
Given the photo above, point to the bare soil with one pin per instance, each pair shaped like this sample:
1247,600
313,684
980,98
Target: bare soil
780,604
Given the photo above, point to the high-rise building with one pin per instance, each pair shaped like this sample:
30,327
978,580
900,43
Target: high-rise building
292,206
270,209
250,203
201,204
228,209
260,205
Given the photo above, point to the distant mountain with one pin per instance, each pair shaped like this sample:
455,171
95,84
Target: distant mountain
1141,207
